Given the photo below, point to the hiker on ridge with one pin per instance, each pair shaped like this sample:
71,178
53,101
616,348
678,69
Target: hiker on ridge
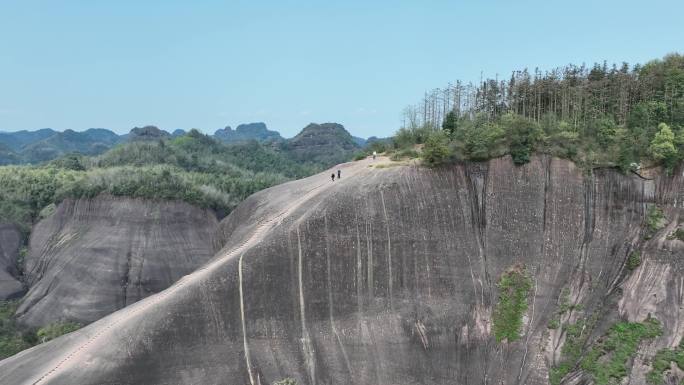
339,174
333,177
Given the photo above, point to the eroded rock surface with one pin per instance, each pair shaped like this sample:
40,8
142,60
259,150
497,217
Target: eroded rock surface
10,242
389,276
95,256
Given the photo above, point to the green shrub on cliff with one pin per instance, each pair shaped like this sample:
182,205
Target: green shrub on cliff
12,341
54,330
677,234
286,381
655,220
575,336
14,338
607,361
634,260
662,363
514,286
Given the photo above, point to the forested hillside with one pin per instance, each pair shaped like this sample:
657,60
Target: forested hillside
193,168
617,115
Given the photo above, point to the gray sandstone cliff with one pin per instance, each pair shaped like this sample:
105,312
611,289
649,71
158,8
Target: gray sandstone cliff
389,277
95,256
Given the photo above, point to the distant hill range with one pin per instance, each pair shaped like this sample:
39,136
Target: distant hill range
47,144
326,143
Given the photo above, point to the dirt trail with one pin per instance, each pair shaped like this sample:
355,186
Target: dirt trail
318,183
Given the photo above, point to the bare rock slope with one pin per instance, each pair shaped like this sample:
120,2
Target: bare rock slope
389,276
95,256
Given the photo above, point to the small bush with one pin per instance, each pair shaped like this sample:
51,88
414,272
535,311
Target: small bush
554,323
436,150
286,381
52,331
407,153
634,260
654,219
677,234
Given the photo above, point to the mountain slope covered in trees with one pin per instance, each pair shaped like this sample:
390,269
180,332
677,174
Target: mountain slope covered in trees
601,115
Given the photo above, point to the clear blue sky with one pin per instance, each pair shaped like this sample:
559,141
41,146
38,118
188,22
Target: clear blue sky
207,64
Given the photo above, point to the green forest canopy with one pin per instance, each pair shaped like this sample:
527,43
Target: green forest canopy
599,116
194,168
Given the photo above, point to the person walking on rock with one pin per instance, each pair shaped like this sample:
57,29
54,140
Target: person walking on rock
339,174
333,177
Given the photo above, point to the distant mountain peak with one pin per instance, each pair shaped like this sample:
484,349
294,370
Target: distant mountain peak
248,131
328,143
147,133
47,144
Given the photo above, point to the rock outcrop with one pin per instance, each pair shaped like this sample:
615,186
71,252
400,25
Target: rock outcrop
390,276
10,242
95,256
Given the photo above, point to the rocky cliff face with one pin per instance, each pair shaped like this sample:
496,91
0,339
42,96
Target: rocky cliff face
391,276
92,257
10,242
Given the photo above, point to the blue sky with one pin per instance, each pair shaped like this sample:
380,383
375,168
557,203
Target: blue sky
208,64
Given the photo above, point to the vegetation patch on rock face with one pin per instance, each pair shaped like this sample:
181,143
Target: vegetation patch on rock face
563,307
608,359
514,289
52,331
576,335
12,340
662,362
655,220
634,260
286,381
677,234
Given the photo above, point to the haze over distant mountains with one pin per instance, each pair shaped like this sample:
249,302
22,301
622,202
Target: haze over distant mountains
328,140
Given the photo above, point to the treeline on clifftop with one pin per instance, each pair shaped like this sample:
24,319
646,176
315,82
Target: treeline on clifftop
620,115
194,168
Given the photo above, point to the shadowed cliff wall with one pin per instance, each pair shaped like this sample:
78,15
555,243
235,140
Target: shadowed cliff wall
95,256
